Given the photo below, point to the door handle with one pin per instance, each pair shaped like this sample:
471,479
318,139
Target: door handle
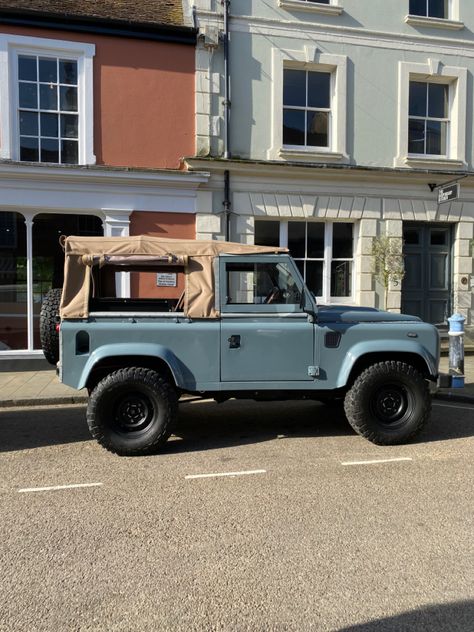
234,342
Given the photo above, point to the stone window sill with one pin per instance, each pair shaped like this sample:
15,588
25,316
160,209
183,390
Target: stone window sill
311,7
311,155
437,23
430,161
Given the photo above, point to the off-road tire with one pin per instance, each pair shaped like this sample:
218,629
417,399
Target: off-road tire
49,319
389,403
131,411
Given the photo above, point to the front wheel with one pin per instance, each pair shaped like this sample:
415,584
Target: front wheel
389,403
131,411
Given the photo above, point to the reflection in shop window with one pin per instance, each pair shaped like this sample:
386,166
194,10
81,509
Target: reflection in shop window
323,252
48,255
13,288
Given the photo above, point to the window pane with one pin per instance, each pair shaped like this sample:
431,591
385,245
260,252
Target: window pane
293,127
69,125
438,8
48,70
417,105
69,152
342,241
416,136
296,239
49,125
319,89
48,97
29,123
28,95
267,233
27,68
438,237
314,277
315,240
411,236
68,72
49,150
29,149
260,284
438,100
341,278
68,100
13,295
300,265
318,129
294,87
417,7
435,138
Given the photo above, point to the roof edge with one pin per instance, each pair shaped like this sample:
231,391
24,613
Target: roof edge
101,26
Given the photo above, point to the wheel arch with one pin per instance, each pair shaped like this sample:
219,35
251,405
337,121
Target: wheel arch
414,359
107,359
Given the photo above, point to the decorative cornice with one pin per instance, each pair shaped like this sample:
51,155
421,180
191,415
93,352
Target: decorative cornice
102,175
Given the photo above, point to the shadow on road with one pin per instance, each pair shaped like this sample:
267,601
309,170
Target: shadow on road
28,428
206,425
455,617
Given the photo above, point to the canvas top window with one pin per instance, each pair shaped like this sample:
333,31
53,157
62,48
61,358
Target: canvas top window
306,108
430,8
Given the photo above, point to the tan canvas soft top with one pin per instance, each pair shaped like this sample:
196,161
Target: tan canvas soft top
197,257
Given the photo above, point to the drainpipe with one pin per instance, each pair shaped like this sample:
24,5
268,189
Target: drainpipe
226,204
227,152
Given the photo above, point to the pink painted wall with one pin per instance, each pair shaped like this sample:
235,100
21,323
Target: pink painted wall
143,99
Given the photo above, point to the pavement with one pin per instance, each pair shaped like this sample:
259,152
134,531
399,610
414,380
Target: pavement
42,388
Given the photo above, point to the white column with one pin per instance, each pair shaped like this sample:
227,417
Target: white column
29,280
117,224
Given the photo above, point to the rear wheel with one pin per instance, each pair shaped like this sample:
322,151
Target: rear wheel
131,411
389,403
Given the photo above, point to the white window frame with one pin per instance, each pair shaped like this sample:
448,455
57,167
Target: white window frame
452,20
306,108
332,8
327,259
311,59
433,71
427,118
11,46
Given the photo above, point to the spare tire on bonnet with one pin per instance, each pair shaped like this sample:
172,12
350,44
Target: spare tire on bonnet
49,319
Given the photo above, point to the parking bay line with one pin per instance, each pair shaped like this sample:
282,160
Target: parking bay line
451,406
218,474
57,487
374,461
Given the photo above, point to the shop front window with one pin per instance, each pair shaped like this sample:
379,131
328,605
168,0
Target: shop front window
13,282
48,255
323,252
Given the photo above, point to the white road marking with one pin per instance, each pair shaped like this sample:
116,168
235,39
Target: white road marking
402,458
244,473
451,406
56,487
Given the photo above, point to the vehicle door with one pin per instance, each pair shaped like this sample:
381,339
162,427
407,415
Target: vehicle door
266,336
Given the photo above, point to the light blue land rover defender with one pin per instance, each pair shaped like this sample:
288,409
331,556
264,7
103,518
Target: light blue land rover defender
224,320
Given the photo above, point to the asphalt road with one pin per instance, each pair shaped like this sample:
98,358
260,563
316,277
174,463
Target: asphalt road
316,538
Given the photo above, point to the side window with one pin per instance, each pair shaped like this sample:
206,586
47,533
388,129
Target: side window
269,283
